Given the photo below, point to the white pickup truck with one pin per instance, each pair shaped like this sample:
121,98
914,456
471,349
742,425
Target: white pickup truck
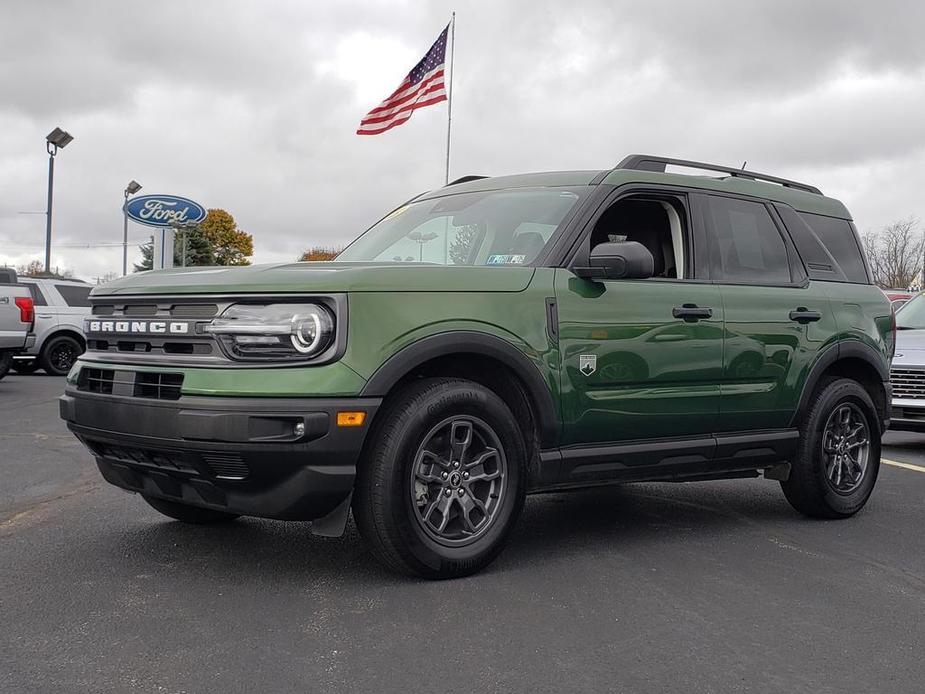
17,315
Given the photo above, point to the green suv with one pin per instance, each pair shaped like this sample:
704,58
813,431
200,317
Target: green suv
499,337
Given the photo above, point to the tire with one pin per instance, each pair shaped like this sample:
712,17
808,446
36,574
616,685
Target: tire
25,367
819,486
6,361
59,354
189,514
401,496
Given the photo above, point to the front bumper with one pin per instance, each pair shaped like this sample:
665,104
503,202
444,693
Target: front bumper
240,455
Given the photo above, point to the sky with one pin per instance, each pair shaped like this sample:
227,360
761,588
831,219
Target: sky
252,106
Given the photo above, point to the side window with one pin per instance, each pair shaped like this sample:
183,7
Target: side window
37,297
839,238
747,246
655,222
74,295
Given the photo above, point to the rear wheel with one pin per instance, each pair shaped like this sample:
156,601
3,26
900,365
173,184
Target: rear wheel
6,361
443,481
838,457
189,514
59,354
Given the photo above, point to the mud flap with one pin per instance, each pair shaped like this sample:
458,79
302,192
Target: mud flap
333,524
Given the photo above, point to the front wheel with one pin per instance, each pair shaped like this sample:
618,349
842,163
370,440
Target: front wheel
443,480
189,514
838,456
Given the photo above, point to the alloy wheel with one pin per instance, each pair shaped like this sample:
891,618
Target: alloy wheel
458,480
846,448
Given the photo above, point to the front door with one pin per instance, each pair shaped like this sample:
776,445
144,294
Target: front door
641,359
631,369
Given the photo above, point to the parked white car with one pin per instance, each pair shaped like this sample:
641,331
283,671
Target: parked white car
60,309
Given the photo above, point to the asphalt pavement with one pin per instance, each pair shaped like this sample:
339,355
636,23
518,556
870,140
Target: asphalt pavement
701,587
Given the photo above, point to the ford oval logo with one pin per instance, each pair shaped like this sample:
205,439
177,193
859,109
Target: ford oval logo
164,210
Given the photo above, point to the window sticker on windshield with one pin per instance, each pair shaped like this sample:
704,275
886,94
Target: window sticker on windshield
506,259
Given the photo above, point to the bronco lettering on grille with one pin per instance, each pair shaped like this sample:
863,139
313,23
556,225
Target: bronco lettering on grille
136,327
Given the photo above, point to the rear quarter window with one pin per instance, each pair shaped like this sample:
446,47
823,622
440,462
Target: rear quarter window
74,295
38,297
839,238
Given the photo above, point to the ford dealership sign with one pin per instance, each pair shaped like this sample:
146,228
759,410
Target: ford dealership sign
164,210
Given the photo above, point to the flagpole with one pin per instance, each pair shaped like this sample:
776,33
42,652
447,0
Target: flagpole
449,95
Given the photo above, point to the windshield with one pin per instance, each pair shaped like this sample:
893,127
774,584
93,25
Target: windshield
911,315
499,227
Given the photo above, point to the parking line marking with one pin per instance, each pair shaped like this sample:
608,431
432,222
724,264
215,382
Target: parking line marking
905,466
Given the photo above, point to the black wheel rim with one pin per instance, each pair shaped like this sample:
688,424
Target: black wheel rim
458,480
846,448
63,356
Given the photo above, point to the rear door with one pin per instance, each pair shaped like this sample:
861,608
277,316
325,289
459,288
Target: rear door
776,319
73,305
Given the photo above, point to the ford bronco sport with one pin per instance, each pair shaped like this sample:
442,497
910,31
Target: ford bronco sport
497,337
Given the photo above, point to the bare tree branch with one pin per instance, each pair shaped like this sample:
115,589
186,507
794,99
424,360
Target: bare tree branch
895,253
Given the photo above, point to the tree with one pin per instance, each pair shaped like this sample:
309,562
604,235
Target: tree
230,245
320,253
895,253
147,257
35,268
461,245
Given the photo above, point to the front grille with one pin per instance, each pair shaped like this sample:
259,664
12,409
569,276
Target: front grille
226,466
908,383
156,385
194,347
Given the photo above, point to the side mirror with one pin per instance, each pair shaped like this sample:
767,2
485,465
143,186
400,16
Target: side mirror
626,260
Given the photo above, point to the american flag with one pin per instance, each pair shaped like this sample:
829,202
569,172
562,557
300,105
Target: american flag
424,86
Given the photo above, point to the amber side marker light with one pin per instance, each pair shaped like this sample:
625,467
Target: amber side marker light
351,419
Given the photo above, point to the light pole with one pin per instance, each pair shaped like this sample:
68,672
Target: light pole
132,188
56,139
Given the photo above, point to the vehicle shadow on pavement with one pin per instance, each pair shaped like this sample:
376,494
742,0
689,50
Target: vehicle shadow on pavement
562,524
640,514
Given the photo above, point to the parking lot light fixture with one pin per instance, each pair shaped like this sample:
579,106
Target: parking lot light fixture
55,140
132,188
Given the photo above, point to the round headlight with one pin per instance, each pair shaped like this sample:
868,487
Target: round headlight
274,332
307,332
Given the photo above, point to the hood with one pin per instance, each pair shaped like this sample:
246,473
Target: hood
910,348
321,277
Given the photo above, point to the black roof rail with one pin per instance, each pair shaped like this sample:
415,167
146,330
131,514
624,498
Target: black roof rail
646,162
465,179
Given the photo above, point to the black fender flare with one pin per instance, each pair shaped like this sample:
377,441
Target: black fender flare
847,349
483,344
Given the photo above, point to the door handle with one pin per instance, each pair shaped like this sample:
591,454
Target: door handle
691,312
43,315
804,315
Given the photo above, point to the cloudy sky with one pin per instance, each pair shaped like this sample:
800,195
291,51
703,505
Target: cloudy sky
252,106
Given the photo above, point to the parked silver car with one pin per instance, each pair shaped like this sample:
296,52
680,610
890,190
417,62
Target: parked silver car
907,374
60,309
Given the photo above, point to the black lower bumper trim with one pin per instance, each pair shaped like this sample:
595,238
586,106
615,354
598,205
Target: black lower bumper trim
242,455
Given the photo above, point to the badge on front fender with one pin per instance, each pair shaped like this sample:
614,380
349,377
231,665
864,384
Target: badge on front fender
587,363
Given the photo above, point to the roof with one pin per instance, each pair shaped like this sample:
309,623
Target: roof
800,198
